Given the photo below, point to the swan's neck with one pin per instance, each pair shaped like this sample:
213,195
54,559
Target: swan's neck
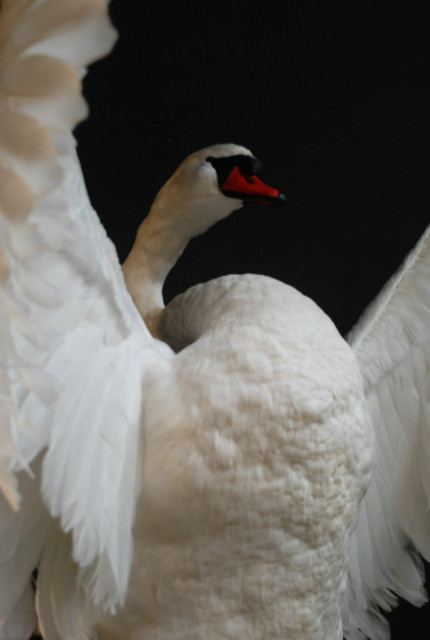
174,218
157,247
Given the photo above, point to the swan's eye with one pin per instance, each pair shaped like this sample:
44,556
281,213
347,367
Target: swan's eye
249,179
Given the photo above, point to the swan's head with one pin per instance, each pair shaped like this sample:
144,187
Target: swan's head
212,183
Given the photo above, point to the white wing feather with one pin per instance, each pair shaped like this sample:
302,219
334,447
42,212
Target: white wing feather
392,344
74,350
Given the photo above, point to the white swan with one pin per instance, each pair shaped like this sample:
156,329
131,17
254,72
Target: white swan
240,452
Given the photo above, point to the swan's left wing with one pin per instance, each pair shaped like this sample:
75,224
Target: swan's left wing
74,353
392,345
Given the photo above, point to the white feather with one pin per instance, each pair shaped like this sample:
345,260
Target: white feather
67,321
23,534
392,345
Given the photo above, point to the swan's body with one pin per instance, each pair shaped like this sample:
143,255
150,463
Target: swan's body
250,494
236,449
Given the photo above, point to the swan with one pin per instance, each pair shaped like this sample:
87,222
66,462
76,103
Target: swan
219,467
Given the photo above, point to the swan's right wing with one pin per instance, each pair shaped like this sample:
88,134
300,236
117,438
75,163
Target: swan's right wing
392,345
75,355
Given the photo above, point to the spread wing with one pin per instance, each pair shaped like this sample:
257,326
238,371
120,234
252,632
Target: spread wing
74,351
392,344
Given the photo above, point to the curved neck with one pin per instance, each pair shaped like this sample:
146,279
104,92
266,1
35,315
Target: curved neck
175,217
155,251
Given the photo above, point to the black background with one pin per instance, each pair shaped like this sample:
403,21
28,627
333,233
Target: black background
334,99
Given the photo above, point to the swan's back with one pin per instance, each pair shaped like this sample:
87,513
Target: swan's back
252,472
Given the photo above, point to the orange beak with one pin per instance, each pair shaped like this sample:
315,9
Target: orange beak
251,190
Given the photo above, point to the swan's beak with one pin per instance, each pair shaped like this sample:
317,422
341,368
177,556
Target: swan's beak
251,190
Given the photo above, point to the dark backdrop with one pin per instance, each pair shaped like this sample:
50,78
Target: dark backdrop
334,99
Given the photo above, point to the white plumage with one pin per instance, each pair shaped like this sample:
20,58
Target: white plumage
203,481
